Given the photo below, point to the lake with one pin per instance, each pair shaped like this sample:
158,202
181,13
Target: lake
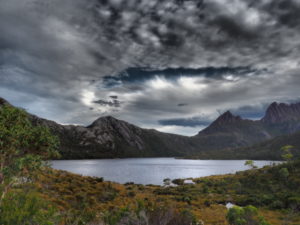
151,170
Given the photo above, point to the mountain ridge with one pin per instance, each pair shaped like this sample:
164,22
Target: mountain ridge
280,112
108,137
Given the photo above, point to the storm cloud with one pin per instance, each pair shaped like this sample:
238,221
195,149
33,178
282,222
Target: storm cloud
167,61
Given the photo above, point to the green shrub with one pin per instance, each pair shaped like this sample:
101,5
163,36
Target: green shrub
27,209
245,216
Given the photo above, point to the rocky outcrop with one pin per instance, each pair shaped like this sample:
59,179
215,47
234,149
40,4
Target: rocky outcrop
107,128
281,112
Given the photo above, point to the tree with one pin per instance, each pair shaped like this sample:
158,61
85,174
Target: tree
167,182
178,181
23,149
284,173
245,216
287,155
250,163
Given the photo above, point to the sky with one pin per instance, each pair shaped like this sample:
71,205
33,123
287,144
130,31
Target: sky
170,65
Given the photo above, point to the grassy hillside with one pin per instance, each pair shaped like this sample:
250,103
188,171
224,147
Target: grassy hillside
275,194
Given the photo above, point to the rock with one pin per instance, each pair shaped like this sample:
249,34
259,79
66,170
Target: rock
281,112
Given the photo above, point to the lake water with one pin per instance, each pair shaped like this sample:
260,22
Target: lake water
151,170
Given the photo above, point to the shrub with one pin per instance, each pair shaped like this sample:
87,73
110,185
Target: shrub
23,147
245,216
178,181
27,209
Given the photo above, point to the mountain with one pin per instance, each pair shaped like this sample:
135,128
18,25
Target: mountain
278,113
230,131
108,137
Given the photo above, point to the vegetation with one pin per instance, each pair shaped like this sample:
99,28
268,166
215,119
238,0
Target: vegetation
287,155
23,148
250,163
34,194
245,216
267,150
90,199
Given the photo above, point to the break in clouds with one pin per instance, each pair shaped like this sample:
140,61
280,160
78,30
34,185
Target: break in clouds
173,65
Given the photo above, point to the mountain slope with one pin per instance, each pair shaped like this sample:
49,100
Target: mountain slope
229,131
267,150
271,149
108,137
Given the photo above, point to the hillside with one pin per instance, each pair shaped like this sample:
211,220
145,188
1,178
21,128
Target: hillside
270,149
108,137
91,199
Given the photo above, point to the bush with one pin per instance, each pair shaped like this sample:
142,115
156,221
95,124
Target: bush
23,147
245,216
27,209
178,181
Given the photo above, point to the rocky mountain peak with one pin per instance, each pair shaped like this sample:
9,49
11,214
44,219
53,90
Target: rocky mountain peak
105,120
226,120
227,117
281,112
109,129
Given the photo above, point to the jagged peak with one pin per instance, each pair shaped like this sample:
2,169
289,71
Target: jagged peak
273,104
227,113
104,119
225,120
227,117
279,112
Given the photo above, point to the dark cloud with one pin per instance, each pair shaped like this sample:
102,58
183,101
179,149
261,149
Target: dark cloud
251,112
235,30
185,122
58,58
182,104
114,103
140,75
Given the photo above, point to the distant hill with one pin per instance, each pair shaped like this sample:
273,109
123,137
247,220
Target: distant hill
108,137
267,150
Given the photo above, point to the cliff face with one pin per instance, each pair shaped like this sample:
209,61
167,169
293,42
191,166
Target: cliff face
280,112
105,129
109,137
